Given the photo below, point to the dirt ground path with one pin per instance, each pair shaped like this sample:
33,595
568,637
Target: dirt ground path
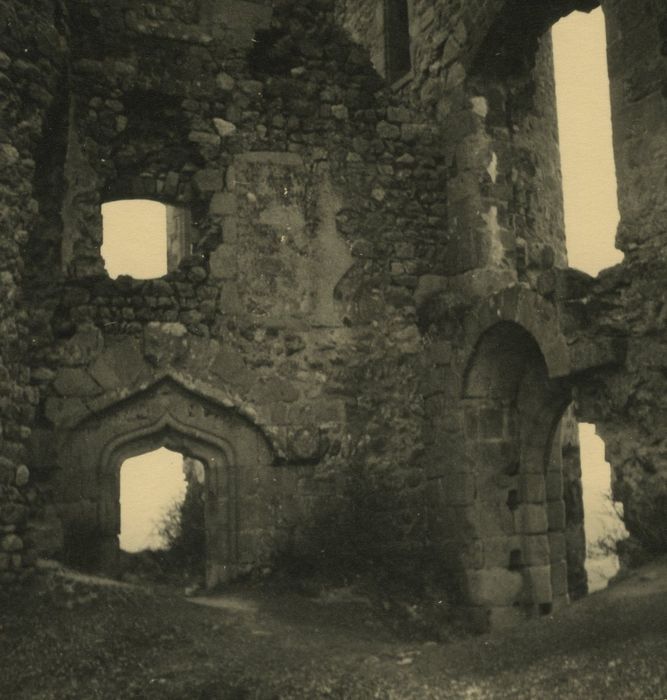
74,638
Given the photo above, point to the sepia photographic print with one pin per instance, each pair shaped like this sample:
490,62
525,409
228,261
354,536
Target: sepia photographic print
333,349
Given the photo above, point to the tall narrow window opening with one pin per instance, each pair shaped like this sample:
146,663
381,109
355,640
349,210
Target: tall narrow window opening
584,123
397,39
142,238
602,522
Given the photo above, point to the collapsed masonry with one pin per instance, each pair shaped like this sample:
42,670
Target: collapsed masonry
374,290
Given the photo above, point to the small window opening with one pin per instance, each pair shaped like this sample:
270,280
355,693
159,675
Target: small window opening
142,238
603,522
397,39
162,512
585,134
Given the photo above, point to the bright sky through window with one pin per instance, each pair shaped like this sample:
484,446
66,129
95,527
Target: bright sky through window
601,521
584,124
135,238
149,485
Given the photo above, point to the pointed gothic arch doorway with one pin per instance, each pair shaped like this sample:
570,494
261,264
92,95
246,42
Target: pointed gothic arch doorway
238,463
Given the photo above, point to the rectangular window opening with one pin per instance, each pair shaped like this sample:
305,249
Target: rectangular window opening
144,239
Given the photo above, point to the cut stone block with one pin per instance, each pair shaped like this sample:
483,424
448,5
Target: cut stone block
539,578
494,586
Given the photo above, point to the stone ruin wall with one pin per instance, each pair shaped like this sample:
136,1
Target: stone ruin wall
30,78
436,204
626,305
303,183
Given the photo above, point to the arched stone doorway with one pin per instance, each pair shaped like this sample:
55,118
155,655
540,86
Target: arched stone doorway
219,481
512,413
243,487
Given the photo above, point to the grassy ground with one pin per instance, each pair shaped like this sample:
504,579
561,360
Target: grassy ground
73,638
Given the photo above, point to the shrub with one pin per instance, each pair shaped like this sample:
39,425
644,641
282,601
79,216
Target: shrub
367,538
183,531
645,520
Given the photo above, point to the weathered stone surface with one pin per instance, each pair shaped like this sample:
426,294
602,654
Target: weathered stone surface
12,543
304,444
76,382
277,389
352,246
13,514
102,372
540,583
64,411
165,344
82,346
388,131
557,516
495,587
229,365
210,180
22,475
536,550
223,127
559,582
126,360
225,82
533,519
534,488
223,262
223,204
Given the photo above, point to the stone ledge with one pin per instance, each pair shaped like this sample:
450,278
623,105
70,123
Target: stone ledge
566,284
591,353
